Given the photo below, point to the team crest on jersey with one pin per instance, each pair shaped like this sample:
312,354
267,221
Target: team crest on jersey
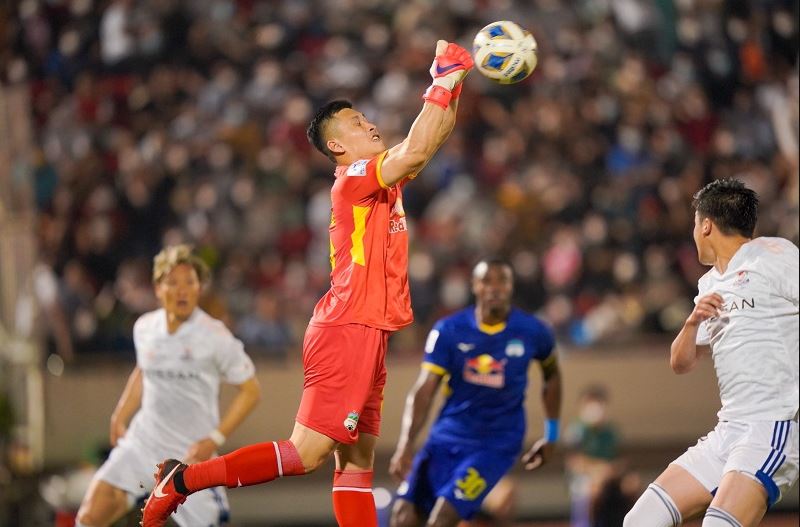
741,279
351,422
485,370
515,348
359,168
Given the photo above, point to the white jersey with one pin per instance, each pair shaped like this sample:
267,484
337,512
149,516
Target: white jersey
181,374
754,341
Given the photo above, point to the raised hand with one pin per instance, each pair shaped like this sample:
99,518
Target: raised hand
451,64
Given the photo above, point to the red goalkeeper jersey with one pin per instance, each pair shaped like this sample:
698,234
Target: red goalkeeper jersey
369,251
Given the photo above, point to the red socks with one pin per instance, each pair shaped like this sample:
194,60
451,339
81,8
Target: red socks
353,504
249,465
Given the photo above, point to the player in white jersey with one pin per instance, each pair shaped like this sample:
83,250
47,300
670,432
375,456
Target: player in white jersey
746,317
182,356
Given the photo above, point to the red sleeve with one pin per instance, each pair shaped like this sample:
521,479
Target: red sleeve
363,179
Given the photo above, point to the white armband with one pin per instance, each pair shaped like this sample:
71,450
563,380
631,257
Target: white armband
217,437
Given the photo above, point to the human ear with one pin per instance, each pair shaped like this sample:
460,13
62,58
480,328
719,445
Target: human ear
334,147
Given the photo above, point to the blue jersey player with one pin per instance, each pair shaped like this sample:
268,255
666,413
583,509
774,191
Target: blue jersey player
482,354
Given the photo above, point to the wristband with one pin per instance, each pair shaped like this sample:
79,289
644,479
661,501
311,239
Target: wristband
455,92
217,437
551,430
438,95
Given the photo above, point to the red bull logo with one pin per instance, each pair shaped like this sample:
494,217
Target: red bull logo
485,370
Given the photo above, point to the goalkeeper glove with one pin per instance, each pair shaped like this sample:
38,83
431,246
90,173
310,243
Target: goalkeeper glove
450,66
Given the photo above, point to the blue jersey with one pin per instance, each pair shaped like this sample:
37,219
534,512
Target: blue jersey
487,369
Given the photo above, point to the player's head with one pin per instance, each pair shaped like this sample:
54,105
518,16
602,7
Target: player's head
344,134
178,277
723,208
593,404
493,286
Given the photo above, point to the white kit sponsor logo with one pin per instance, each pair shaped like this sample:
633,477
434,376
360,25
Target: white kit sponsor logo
359,168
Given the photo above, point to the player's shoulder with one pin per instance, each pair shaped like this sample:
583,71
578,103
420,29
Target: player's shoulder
705,281
148,322
773,246
456,320
528,321
356,169
210,326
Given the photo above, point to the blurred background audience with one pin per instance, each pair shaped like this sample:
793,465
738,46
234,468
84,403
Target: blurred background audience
162,121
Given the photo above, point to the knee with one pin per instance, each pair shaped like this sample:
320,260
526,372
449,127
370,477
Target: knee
654,508
96,513
312,461
717,517
312,448
85,518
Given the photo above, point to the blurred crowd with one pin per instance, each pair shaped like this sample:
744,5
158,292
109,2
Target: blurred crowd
161,121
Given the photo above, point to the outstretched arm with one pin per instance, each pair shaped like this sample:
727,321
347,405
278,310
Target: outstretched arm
437,118
418,406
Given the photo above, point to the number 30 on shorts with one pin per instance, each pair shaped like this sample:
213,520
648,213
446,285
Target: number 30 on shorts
470,486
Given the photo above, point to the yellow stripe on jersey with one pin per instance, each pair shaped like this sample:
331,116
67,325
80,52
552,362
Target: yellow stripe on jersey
378,165
434,368
359,228
330,243
491,329
446,390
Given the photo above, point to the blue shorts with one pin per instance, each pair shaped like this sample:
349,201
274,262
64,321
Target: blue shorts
462,475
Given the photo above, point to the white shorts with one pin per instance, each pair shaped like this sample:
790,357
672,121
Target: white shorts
764,450
130,467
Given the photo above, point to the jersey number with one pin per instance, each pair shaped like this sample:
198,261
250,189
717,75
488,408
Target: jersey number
470,486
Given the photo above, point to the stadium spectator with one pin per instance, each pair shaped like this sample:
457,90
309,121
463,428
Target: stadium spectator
168,121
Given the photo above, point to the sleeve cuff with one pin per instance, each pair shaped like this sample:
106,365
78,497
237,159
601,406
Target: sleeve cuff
378,165
434,368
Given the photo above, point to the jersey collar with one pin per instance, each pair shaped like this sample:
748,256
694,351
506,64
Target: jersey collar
489,329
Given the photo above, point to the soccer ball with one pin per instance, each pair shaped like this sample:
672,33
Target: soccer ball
504,52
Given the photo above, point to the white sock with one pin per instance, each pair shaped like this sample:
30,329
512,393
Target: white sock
654,508
719,518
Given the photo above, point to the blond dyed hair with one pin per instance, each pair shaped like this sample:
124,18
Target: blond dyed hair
174,255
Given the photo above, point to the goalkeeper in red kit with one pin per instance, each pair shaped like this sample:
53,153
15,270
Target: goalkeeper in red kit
346,340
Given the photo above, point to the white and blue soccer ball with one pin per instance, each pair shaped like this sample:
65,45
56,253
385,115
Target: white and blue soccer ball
504,52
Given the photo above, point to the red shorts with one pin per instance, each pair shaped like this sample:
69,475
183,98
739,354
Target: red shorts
344,375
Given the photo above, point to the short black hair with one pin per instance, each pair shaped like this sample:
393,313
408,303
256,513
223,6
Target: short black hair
730,205
316,129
